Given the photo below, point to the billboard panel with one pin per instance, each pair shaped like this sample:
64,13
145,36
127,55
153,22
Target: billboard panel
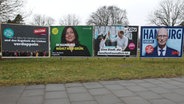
71,40
24,41
116,41
161,41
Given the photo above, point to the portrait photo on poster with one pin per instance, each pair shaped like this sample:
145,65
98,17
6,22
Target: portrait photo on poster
161,41
71,41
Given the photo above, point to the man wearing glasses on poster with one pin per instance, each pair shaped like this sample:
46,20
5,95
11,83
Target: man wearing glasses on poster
162,50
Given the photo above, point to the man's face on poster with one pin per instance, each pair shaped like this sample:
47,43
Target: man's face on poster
162,37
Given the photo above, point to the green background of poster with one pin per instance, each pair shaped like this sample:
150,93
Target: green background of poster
85,36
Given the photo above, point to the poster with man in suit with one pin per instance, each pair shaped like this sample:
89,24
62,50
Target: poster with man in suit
161,41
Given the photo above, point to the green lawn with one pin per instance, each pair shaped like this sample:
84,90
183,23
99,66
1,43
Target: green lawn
56,70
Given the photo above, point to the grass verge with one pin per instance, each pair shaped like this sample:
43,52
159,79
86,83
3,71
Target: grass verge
56,70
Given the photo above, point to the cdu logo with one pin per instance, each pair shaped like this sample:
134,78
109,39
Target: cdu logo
8,33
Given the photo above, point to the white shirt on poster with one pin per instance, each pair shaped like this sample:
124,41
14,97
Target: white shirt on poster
121,42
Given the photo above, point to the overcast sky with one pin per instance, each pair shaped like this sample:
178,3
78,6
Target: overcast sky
137,10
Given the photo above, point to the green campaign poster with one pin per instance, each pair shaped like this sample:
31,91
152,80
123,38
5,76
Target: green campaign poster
71,40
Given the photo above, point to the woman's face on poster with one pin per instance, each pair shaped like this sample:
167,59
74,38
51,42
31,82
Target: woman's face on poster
70,36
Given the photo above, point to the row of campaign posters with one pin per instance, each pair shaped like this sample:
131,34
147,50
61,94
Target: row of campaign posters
23,41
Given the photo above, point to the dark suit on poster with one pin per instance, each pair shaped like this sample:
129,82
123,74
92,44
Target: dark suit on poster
169,53
161,50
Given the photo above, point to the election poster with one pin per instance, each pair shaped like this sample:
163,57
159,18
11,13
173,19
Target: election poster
71,40
23,41
161,41
115,41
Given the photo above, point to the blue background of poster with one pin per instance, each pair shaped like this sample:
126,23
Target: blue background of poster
174,41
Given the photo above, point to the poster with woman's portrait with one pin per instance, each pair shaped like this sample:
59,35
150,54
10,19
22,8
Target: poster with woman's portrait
71,40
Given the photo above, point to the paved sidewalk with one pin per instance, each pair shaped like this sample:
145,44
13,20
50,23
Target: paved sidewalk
146,91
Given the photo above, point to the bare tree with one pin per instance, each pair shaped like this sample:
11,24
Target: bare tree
100,17
9,9
70,20
118,16
42,20
18,20
110,15
169,13
182,23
